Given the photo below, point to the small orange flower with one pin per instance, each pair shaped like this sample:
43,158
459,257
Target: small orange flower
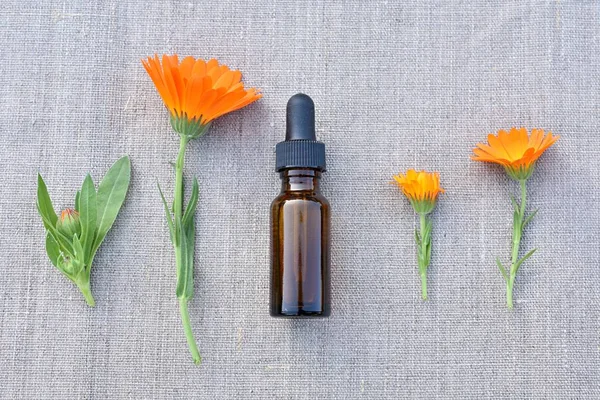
515,150
197,91
421,188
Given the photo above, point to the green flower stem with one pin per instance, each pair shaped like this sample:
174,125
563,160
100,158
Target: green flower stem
424,286
516,243
178,201
179,256
185,319
423,261
87,293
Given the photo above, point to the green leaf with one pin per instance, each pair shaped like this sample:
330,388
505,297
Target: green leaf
66,244
168,215
516,224
77,262
110,198
190,234
427,234
529,218
191,207
525,257
87,217
44,204
63,241
182,268
502,270
53,250
514,203
185,269
77,196
417,238
77,247
49,217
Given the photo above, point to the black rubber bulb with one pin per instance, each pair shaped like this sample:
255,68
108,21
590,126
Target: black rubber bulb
300,124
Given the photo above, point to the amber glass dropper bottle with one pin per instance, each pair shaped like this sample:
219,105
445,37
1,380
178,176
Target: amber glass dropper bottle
300,220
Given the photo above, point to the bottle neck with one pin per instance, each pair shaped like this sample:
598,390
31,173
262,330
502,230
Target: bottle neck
300,180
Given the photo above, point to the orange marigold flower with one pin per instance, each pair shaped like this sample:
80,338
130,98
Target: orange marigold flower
421,188
515,150
197,92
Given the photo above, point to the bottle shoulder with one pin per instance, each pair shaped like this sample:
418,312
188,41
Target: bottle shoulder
310,197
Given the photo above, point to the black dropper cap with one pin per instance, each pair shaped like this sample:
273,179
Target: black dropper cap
301,148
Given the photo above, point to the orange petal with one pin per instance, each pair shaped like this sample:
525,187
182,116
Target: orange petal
170,83
224,105
508,145
199,69
186,67
548,141
193,92
224,80
495,142
492,151
536,137
153,68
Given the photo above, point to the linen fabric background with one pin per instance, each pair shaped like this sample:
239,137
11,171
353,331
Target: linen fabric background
396,85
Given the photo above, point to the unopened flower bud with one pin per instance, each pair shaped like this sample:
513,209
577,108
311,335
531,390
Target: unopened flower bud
68,223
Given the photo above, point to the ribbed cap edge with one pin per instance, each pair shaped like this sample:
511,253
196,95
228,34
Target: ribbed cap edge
300,154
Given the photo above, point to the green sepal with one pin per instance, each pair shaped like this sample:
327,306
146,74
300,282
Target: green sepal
424,206
110,197
520,173
167,215
87,217
502,270
189,128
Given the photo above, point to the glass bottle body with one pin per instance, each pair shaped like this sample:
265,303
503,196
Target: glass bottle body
300,283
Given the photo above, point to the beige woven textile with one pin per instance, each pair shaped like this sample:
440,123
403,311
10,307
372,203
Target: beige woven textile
397,84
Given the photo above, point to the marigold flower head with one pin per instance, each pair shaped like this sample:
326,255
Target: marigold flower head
515,150
421,188
196,92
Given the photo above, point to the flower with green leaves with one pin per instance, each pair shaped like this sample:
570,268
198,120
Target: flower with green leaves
421,189
73,239
195,92
518,153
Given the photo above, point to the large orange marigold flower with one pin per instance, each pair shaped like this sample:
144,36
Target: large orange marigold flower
515,150
421,188
197,92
